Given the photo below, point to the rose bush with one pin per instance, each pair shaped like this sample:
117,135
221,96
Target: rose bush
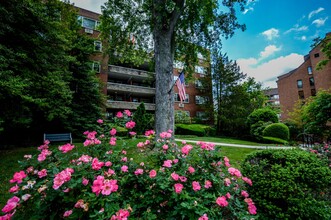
98,181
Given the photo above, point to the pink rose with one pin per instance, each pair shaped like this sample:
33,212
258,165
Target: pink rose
138,172
208,184
100,121
124,168
84,181
112,132
42,173
119,115
178,187
67,213
204,217
244,194
221,201
152,174
175,176
127,112
196,186
167,163
191,169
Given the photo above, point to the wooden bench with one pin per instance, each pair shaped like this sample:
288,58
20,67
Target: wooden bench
58,137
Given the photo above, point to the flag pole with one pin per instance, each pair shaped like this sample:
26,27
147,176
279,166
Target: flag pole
176,81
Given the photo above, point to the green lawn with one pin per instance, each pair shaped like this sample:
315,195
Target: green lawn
224,140
9,159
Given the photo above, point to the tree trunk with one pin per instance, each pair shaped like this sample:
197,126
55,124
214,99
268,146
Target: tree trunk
164,99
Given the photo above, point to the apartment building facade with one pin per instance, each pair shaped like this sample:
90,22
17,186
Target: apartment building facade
304,81
126,86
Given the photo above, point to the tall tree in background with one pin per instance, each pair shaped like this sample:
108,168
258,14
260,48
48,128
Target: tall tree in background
37,43
235,97
173,29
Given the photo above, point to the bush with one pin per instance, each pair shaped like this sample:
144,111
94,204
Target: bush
273,140
195,129
182,118
262,114
289,184
144,121
277,130
256,129
98,181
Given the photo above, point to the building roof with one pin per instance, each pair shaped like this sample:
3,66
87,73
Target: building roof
272,91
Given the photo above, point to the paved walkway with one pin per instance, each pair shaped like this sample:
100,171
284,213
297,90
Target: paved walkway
239,145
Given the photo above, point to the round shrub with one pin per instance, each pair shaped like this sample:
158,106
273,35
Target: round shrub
277,130
262,114
289,184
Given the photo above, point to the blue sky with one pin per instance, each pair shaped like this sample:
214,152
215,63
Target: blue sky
279,33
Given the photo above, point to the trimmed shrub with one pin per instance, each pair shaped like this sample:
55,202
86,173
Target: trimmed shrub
182,118
195,129
262,114
277,130
273,140
256,129
144,121
289,184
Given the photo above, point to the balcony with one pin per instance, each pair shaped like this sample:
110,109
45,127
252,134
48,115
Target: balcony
129,105
123,73
131,89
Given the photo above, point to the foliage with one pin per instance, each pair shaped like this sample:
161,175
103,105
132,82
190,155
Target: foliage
100,182
316,113
323,151
182,118
39,85
274,140
256,129
173,30
262,114
144,120
277,130
194,129
326,49
289,184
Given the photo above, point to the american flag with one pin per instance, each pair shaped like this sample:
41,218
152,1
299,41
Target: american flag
181,87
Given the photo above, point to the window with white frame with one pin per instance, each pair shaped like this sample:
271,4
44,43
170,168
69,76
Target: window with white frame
198,84
200,69
88,22
201,99
178,64
96,67
97,46
177,99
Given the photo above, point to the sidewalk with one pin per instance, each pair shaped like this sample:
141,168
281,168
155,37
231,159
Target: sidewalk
239,145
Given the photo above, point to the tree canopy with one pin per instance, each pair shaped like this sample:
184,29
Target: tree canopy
166,30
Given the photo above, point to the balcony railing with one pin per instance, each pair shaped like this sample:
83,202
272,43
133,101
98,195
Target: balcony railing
129,105
129,71
117,87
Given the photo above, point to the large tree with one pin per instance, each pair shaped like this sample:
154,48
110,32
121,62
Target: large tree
40,51
172,29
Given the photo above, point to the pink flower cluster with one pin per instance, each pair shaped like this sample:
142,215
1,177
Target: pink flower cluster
178,187
112,132
122,214
85,159
62,177
130,124
104,186
206,146
138,172
234,172
167,163
12,203
222,201
227,162
66,148
96,164
196,186
251,206
80,204
152,173
18,177
42,173
44,146
112,141
149,133
204,217
91,139
44,153
166,135
186,149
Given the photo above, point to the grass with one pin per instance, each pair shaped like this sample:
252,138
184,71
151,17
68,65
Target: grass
9,158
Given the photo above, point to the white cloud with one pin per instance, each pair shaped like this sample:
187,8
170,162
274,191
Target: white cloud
271,33
268,51
303,38
247,10
319,22
296,28
312,13
268,72
91,5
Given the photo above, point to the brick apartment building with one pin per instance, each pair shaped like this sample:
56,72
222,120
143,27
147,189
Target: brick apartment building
304,81
127,87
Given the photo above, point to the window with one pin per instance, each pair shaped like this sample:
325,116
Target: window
88,23
202,115
301,95
316,55
313,92
299,84
97,46
178,65
200,99
310,70
311,81
200,69
177,99
96,67
198,84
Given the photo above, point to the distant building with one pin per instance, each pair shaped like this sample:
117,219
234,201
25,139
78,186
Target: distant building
304,81
128,86
273,97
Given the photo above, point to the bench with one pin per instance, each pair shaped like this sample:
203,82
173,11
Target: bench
58,137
